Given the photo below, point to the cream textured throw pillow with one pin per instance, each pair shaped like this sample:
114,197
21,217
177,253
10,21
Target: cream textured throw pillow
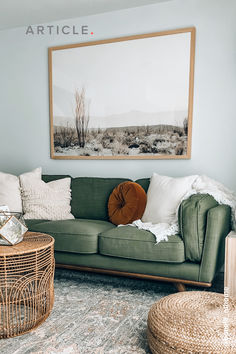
48,201
35,174
163,197
10,192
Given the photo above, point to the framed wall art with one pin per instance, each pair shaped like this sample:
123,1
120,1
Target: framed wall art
123,98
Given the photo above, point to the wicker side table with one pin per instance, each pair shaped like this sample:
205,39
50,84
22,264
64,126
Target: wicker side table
26,284
192,322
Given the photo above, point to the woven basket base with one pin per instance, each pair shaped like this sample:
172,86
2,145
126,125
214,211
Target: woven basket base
192,322
158,347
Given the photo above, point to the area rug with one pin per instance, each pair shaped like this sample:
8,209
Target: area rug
95,314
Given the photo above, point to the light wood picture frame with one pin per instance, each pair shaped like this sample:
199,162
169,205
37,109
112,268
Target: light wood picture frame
123,98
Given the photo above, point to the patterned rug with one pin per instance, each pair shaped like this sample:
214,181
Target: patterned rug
95,314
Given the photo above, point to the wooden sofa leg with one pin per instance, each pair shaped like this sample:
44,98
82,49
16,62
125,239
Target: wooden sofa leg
180,286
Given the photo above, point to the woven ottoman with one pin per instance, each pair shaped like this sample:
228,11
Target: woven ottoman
193,322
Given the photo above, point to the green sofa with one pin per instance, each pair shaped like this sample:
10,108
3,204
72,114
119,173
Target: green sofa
91,243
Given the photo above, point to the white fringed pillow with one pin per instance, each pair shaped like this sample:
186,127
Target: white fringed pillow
48,201
163,197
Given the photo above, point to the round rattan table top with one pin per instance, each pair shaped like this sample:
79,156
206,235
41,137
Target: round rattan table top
33,241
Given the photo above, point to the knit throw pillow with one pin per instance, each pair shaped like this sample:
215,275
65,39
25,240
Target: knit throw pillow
47,201
126,203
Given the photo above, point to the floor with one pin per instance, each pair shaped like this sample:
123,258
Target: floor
95,314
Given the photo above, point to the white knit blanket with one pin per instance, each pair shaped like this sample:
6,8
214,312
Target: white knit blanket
202,185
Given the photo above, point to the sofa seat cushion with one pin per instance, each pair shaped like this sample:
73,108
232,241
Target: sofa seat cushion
76,236
129,242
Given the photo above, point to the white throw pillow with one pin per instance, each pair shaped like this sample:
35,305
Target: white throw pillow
48,201
163,197
10,192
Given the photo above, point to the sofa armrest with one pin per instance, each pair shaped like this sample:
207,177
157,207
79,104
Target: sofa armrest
218,226
192,223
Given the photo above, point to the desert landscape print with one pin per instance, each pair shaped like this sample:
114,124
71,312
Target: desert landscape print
122,99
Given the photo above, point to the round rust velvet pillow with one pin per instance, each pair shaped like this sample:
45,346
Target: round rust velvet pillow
126,203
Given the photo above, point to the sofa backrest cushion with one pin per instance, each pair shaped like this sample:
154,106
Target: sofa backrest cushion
144,182
192,224
90,196
50,178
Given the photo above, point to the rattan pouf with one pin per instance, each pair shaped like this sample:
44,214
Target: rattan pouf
193,322
26,284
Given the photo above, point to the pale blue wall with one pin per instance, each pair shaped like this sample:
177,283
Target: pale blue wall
24,114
